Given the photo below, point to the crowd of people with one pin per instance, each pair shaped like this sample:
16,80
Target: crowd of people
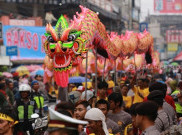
135,104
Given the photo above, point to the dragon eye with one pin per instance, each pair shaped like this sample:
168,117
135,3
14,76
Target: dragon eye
50,39
71,37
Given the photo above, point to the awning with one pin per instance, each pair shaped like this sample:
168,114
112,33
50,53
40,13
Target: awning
54,2
178,57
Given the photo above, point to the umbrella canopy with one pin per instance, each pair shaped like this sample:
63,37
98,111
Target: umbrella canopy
174,64
77,79
178,57
37,72
7,74
22,70
40,72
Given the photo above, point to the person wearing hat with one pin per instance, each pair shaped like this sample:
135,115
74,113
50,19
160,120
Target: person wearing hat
146,113
112,126
7,120
36,95
90,97
25,107
122,118
60,123
96,122
163,120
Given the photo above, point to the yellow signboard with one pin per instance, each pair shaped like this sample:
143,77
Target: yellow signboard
172,47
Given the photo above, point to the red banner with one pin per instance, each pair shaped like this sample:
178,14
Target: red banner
168,6
174,36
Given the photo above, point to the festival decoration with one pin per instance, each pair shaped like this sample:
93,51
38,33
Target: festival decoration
68,41
48,69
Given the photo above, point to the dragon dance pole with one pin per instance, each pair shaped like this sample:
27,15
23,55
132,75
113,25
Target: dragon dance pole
104,69
96,72
115,72
86,76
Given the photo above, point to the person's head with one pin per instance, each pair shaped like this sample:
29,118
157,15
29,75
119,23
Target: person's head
89,96
81,107
7,120
102,88
146,83
179,96
122,83
140,83
68,106
2,86
24,90
115,100
124,90
133,113
149,77
2,79
173,85
35,85
60,123
38,77
103,105
157,97
10,85
158,86
96,121
146,114
180,85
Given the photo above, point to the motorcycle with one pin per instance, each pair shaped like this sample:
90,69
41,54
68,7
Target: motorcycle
40,124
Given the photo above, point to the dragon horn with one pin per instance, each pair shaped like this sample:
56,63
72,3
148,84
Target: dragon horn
61,25
50,30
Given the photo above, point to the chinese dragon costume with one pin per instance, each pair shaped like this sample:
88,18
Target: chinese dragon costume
67,42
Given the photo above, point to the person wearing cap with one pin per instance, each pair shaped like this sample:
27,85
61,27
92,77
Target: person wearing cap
90,97
96,122
60,123
122,118
36,95
25,107
146,113
7,120
81,107
163,120
112,126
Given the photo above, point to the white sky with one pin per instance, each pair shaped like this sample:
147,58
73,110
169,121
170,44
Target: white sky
147,7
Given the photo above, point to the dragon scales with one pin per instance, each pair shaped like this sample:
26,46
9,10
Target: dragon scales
66,43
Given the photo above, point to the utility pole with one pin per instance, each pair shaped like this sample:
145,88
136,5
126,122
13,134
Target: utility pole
130,14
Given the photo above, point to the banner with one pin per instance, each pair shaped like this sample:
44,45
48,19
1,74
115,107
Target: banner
172,47
168,6
28,39
174,36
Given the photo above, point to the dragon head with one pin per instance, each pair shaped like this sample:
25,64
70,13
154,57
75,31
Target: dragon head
63,45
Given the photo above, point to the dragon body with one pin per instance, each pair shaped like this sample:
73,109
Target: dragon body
67,42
